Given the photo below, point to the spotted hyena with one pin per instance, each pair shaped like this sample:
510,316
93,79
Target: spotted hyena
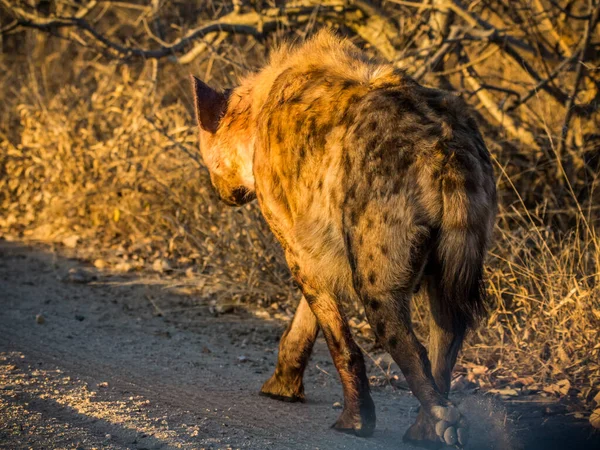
376,187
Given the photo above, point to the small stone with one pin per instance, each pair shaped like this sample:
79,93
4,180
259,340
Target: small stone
123,267
80,317
100,264
242,358
161,265
39,318
337,405
224,309
79,276
103,384
71,241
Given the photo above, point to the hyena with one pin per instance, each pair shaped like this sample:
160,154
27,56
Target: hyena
376,188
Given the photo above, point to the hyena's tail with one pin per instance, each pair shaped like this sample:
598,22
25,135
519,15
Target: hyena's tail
461,245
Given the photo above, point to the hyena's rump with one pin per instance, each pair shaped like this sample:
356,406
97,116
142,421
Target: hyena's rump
376,187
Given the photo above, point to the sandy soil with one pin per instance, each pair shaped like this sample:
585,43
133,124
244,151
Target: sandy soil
105,370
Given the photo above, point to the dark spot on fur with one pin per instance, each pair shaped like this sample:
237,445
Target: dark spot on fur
374,305
354,98
347,84
295,269
393,342
280,136
380,329
384,250
310,298
451,184
372,277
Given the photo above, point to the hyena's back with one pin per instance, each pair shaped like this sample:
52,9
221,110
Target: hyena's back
362,162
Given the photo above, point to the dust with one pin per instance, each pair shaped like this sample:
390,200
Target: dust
490,425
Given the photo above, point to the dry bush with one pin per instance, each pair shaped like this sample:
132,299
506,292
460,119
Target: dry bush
98,149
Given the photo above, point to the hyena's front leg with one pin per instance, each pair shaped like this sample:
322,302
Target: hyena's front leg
294,351
358,415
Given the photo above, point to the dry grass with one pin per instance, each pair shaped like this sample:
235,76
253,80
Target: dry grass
100,153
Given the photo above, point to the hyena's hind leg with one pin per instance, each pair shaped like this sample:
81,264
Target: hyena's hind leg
387,265
446,335
294,352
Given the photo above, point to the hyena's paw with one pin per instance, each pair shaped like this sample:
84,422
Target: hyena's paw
450,427
445,426
422,433
358,420
278,388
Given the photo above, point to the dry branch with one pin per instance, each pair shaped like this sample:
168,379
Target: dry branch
590,26
488,102
371,25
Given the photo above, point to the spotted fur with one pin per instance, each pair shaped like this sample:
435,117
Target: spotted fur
375,186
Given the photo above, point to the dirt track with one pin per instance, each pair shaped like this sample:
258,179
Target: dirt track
105,371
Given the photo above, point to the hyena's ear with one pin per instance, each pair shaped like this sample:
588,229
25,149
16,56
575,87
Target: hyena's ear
210,105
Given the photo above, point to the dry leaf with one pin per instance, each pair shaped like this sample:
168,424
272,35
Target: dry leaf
560,388
479,370
506,391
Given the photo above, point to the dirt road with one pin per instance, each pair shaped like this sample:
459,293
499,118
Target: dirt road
103,370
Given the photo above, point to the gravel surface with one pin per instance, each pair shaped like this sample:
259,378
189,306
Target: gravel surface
119,362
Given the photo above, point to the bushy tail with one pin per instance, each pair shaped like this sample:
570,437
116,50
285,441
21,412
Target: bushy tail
461,246
460,255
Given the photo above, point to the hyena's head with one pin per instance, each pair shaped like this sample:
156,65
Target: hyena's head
226,142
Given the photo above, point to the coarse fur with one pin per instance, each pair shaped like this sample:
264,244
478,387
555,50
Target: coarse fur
375,186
